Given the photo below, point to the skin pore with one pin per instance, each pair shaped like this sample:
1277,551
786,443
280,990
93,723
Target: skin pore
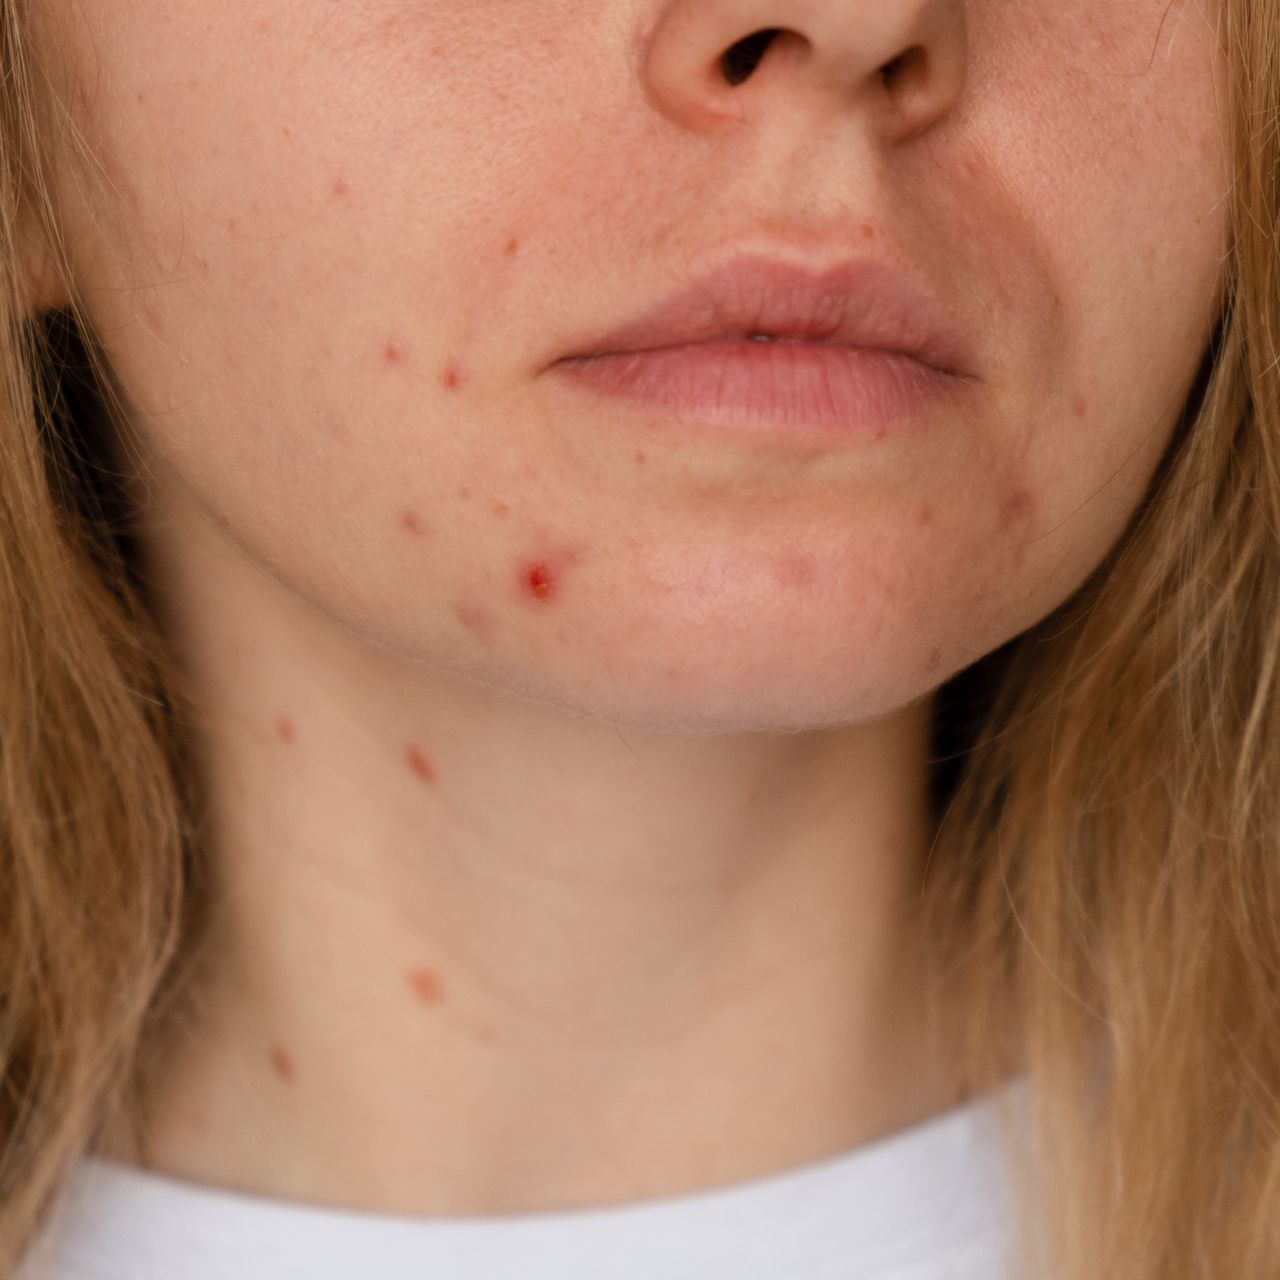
568,761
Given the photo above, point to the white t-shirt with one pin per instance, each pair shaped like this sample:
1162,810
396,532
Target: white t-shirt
930,1202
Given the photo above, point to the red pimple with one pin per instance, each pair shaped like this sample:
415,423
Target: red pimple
285,730
464,493
420,762
501,509
512,246
394,352
282,1064
868,232
452,377
538,581
641,459
340,187
426,985
414,524
924,517
1016,507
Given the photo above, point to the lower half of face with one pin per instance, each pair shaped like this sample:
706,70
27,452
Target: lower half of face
342,259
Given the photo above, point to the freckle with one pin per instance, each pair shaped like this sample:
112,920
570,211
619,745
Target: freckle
924,517
1079,406
285,730
464,493
394,353
339,187
413,523
452,377
513,246
538,581
501,509
282,1064
426,985
641,459
420,762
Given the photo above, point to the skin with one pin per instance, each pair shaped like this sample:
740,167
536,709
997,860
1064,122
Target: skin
526,902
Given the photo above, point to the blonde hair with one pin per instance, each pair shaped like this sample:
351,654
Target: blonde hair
1106,872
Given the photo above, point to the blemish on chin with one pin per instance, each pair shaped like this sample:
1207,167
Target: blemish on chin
513,247
394,352
541,578
477,620
539,581
339,187
1016,508
500,509
794,570
421,763
282,1064
412,523
452,378
426,985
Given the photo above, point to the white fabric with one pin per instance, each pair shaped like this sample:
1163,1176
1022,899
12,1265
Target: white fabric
930,1202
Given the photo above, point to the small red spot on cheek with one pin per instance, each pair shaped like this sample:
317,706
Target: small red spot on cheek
934,661
924,517
420,762
641,459
452,377
394,352
282,1064
513,247
411,522
340,187
1016,508
796,570
501,509
539,582
1079,406
464,493
426,985
285,730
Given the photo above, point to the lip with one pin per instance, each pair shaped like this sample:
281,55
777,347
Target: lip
858,303
856,349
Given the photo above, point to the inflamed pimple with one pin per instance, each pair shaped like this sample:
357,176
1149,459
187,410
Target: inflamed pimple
420,762
452,377
924,516
538,581
285,729
282,1064
412,523
339,187
513,247
426,985
394,352
500,509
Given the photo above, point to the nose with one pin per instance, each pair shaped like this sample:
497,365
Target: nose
711,63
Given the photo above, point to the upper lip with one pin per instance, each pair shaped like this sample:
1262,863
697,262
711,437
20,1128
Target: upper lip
857,302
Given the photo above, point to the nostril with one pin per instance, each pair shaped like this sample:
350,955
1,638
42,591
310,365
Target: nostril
892,71
743,58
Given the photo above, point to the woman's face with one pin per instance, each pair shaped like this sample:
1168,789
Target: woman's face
337,250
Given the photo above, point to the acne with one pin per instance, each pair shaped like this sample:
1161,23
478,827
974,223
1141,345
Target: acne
933,662
426,985
868,231
477,620
413,524
453,377
285,729
1079,406
339,187
421,763
794,570
541,578
500,510
924,516
640,459
282,1064
1016,508
464,493
513,247
539,581
394,352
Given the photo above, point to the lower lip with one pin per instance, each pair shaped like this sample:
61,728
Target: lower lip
787,386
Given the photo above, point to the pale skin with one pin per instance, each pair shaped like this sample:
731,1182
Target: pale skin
529,903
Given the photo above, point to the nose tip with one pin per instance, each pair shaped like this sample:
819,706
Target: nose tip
709,63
